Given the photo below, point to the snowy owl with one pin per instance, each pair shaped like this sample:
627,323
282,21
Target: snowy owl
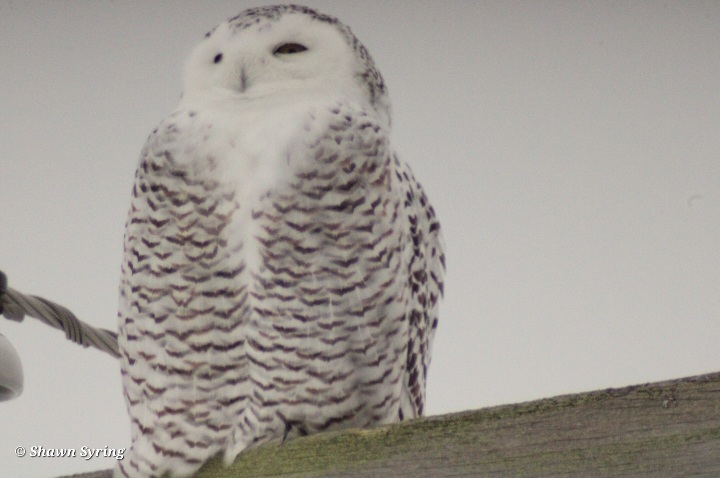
282,266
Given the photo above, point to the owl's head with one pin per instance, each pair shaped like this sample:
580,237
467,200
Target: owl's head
286,48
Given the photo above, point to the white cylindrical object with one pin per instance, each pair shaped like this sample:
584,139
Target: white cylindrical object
11,374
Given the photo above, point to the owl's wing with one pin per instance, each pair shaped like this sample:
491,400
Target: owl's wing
425,258
178,292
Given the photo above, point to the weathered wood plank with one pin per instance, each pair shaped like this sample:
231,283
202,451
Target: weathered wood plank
669,428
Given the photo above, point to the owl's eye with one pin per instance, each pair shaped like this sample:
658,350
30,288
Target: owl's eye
289,49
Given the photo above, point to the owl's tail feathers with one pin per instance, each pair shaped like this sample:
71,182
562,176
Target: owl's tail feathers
15,306
238,445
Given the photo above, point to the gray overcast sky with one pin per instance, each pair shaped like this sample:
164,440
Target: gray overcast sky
571,149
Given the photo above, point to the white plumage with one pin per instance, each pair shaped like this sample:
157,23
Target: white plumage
282,266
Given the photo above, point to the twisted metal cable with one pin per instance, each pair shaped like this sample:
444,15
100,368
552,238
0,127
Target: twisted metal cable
15,306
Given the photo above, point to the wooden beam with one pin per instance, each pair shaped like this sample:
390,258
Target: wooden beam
669,428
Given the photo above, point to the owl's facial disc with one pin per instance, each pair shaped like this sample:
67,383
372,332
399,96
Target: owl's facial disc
292,53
